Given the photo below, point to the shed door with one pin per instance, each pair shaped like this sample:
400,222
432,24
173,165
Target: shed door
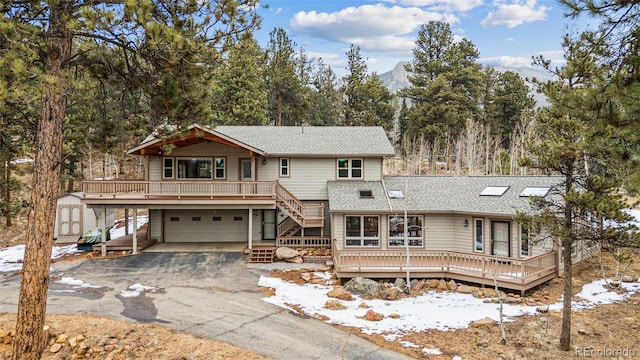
206,225
500,238
69,220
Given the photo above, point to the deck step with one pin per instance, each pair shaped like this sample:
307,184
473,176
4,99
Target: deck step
263,254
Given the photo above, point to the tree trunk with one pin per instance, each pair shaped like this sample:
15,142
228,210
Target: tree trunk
565,332
7,182
39,238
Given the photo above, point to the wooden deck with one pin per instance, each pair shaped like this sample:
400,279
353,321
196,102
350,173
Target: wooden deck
509,273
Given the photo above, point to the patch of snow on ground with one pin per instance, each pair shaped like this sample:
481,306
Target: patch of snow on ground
11,257
136,290
75,283
433,310
120,231
435,351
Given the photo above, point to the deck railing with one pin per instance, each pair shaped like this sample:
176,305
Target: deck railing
511,273
147,189
321,242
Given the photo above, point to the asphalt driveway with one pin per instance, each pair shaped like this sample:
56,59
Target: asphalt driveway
212,294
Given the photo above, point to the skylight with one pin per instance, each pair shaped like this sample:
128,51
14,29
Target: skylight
535,191
494,190
365,194
396,194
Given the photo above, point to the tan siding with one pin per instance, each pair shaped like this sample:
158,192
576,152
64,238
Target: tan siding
338,229
155,168
155,224
308,179
373,169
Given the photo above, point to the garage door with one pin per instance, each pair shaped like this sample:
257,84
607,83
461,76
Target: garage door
205,226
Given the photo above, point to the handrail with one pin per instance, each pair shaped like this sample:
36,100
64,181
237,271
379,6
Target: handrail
290,202
115,188
509,270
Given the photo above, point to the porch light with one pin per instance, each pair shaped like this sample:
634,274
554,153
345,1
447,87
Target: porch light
264,161
466,222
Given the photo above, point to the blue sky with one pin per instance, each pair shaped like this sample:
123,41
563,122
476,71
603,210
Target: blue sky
506,32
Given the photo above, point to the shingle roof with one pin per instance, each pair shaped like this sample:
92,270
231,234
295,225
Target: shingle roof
436,194
312,140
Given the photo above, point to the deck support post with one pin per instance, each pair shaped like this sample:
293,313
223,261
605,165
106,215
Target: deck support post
135,229
103,241
126,221
249,236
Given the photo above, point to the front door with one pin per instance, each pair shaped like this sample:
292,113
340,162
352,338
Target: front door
269,224
246,170
500,238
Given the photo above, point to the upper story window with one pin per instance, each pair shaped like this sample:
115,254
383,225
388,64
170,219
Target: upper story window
194,168
220,172
397,230
167,170
362,231
284,167
350,168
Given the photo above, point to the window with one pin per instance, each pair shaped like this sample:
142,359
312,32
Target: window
540,191
174,218
396,194
365,194
216,218
284,167
194,168
220,172
478,240
237,218
196,218
362,231
494,190
414,230
350,168
168,168
524,240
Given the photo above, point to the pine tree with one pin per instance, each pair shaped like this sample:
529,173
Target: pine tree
162,35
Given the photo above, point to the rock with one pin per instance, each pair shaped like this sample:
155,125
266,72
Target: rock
295,260
442,285
391,293
417,285
400,283
373,316
451,285
628,278
73,342
339,292
285,253
362,286
543,320
582,332
466,289
542,309
482,322
363,305
433,284
55,347
512,300
334,305
306,276
394,316
62,338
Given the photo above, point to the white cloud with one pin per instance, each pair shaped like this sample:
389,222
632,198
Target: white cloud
507,61
515,14
372,27
447,5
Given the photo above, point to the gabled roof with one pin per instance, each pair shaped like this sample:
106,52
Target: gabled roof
282,140
437,194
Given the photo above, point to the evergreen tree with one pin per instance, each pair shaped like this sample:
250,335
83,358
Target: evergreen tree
586,207
239,95
446,83
165,35
326,99
367,101
284,86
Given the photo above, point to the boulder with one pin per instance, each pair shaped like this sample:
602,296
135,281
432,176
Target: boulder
392,293
285,253
334,305
339,292
433,283
373,316
466,289
483,322
363,286
451,285
400,283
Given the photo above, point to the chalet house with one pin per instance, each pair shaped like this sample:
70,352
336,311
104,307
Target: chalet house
324,186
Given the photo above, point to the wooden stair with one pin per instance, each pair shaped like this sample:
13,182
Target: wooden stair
261,254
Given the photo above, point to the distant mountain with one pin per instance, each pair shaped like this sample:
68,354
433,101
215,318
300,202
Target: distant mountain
397,78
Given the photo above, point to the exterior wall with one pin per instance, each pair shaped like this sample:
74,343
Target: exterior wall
91,217
155,224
